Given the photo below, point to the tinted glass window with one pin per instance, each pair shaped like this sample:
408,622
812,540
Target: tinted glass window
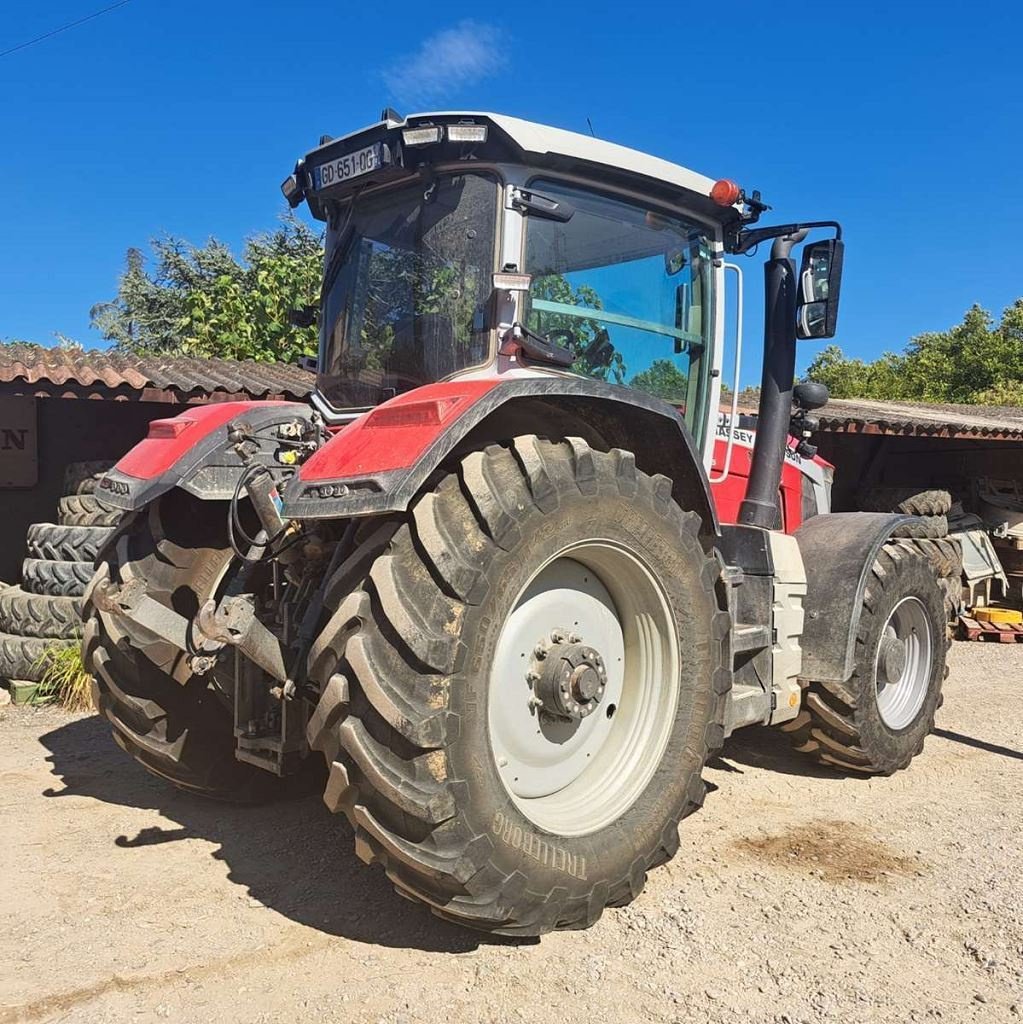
408,275
627,288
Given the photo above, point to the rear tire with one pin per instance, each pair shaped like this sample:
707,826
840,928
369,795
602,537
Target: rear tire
946,558
876,722
406,665
175,724
929,534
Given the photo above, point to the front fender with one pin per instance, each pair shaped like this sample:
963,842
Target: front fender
380,462
838,552
192,451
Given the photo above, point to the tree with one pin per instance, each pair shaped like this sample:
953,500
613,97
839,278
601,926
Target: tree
204,302
977,361
662,379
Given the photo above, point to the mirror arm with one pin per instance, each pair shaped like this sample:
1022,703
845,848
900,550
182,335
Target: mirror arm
743,241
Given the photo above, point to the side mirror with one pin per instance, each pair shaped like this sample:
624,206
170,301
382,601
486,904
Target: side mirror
820,282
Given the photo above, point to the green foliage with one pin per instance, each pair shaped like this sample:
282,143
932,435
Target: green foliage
976,362
663,379
64,679
203,302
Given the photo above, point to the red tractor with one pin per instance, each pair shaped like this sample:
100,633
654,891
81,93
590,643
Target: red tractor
481,577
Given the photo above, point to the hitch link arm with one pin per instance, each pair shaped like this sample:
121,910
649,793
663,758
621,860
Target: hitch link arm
231,623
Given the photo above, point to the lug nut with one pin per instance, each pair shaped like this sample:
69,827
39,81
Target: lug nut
540,652
557,637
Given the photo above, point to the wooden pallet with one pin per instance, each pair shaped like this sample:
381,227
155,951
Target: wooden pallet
993,632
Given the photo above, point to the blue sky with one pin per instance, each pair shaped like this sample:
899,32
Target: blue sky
902,120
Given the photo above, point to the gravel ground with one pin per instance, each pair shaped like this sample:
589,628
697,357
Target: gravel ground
798,895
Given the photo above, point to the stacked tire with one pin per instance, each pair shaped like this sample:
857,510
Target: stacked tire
45,611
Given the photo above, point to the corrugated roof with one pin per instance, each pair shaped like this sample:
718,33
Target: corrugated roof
911,419
922,420
98,370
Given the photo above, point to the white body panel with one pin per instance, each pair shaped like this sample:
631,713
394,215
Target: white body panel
786,650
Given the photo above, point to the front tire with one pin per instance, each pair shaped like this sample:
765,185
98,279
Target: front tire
422,672
877,721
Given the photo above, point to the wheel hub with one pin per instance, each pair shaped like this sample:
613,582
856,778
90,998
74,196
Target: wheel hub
569,639
568,676
891,660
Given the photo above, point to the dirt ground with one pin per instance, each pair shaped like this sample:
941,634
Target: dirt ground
798,895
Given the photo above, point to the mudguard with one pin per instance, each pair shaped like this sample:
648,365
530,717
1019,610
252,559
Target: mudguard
192,451
379,462
838,551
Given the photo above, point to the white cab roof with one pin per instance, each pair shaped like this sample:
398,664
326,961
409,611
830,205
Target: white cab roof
541,138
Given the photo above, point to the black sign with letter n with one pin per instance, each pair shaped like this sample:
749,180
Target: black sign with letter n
19,465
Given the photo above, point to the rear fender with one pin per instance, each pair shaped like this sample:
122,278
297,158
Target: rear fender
838,552
192,451
381,461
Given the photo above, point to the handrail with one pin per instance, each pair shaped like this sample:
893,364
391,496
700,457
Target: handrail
734,414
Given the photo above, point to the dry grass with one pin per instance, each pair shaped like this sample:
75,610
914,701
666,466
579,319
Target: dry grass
64,679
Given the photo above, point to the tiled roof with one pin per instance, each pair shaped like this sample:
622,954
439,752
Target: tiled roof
97,371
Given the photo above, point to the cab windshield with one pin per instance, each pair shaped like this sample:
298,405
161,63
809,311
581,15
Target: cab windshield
629,290
407,276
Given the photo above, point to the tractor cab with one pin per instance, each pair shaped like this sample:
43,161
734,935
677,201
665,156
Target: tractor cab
461,245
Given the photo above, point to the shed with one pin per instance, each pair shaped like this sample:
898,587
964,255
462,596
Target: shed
63,405
916,443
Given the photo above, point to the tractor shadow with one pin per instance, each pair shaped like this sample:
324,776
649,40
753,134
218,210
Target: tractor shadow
294,857
769,749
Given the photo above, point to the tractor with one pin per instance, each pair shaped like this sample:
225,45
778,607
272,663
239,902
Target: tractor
478,590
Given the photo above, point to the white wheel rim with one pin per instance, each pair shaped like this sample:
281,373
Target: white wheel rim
903,662
574,777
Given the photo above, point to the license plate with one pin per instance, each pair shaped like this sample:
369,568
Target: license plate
343,168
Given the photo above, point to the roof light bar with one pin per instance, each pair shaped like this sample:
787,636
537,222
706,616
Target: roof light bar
423,136
467,133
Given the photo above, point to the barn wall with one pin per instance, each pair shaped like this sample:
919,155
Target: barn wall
865,460
68,430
